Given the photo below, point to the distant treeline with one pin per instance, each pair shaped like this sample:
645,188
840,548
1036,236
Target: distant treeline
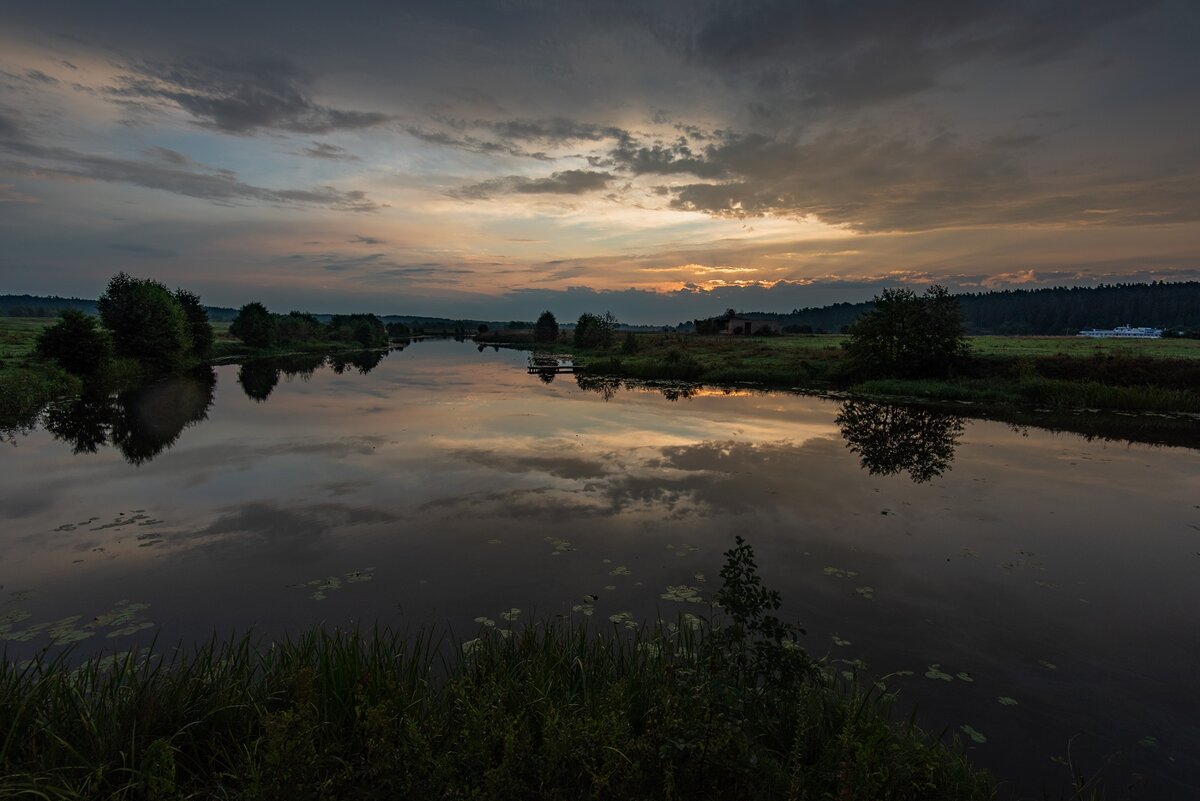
53,305
1050,311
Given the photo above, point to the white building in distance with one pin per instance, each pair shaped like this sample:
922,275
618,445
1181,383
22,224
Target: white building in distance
1122,332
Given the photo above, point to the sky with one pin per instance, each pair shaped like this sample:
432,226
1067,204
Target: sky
661,160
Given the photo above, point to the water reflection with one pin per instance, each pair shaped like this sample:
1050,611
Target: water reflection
141,423
364,361
259,378
890,439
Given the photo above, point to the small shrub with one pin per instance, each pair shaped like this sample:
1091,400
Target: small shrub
76,342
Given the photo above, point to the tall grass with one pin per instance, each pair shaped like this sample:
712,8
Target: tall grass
546,711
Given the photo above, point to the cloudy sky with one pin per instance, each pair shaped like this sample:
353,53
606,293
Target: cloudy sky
659,159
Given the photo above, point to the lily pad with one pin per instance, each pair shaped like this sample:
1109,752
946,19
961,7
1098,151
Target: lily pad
935,672
975,735
683,594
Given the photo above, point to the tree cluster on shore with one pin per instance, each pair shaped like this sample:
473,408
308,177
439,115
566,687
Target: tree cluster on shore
259,328
139,319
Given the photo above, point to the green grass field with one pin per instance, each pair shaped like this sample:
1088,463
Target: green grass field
17,337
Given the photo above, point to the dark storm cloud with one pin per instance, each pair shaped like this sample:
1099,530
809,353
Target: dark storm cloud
873,179
830,52
324,150
565,182
167,170
240,98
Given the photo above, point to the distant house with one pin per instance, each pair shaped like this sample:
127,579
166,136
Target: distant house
1122,332
733,324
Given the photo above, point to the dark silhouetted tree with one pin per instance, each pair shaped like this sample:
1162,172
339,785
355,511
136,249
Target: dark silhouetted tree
254,325
594,330
908,335
546,328
200,333
145,320
76,342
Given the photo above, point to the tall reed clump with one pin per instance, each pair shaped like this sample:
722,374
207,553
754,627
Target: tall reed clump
688,710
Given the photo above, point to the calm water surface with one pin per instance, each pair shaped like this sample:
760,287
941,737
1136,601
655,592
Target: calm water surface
1038,588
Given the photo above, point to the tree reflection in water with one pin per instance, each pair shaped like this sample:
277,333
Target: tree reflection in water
258,379
605,386
362,360
141,422
890,439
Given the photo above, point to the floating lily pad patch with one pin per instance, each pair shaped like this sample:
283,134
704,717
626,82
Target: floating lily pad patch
561,546
623,619
839,572
935,672
619,570
1148,742
682,593
1007,701
1047,665
975,735
586,606
838,640
322,587
512,614
866,592
682,550
964,676
485,621
124,618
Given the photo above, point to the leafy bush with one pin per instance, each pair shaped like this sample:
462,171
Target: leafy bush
76,342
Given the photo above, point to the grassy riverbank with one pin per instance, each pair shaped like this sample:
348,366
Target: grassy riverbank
1060,373
28,383
549,711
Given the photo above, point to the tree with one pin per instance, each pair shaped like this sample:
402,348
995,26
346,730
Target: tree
546,328
254,325
200,333
76,343
145,320
909,336
594,331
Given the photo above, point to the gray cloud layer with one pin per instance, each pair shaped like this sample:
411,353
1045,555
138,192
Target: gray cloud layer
240,98
166,170
565,182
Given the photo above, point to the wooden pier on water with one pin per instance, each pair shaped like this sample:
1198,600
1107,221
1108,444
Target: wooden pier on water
548,365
